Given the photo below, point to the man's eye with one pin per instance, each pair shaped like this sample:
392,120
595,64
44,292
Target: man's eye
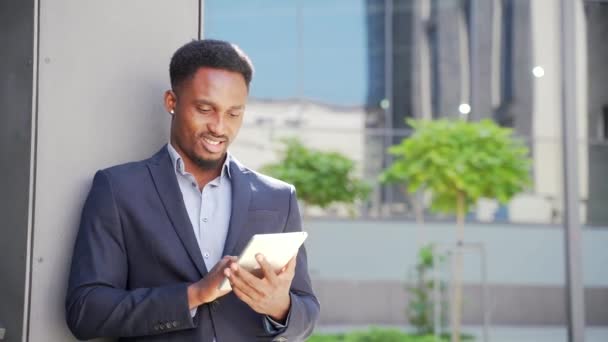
234,114
204,109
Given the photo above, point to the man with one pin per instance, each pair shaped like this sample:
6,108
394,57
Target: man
158,236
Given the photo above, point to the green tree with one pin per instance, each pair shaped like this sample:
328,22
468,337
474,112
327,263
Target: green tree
321,178
459,162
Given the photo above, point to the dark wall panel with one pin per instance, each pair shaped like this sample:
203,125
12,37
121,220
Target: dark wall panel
16,78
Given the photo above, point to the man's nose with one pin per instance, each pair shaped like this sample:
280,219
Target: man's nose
218,124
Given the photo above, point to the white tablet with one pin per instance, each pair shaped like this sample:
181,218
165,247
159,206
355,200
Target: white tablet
277,248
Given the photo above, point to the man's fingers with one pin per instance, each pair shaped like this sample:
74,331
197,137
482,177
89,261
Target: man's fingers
217,272
223,263
246,276
243,280
243,295
269,272
227,260
243,291
291,265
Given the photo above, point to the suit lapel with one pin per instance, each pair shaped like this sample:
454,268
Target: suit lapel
241,196
163,174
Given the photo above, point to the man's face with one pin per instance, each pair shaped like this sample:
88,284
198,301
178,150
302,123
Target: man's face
209,110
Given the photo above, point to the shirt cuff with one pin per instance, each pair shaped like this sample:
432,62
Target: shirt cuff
273,327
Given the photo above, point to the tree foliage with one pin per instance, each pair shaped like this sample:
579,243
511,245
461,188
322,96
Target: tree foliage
452,158
321,178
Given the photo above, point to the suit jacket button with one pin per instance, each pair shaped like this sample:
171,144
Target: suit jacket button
161,327
156,327
215,305
168,325
174,324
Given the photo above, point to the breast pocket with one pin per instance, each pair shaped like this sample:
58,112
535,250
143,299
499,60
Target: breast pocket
263,222
258,222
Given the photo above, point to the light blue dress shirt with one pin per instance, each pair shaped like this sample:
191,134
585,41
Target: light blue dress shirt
208,209
209,212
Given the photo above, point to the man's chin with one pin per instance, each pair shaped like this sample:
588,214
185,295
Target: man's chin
209,163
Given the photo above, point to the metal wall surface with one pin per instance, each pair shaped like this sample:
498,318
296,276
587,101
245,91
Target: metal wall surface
525,270
102,73
16,78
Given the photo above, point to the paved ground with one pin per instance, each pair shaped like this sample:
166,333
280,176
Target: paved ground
508,334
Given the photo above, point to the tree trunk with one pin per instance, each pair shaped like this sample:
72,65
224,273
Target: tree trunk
456,308
421,240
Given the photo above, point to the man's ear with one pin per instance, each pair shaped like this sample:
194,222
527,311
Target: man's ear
170,101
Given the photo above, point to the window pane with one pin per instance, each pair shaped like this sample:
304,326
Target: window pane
345,75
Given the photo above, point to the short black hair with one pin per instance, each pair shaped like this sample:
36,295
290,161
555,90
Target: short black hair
211,53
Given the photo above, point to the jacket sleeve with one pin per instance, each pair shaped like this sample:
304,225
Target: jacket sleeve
305,307
97,302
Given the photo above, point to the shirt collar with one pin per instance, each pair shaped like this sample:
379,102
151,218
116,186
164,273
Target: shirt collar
178,163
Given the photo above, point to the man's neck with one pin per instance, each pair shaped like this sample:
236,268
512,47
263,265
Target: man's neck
202,175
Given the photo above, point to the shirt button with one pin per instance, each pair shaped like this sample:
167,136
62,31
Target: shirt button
206,255
204,219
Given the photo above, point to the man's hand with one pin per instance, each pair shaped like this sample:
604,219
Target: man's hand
268,295
206,290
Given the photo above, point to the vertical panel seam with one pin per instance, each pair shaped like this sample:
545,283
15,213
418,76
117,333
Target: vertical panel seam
32,178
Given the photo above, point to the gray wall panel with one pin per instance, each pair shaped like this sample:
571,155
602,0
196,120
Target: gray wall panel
347,302
362,281
597,97
103,69
516,254
16,78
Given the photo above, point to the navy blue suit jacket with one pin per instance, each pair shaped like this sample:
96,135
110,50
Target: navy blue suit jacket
136,253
